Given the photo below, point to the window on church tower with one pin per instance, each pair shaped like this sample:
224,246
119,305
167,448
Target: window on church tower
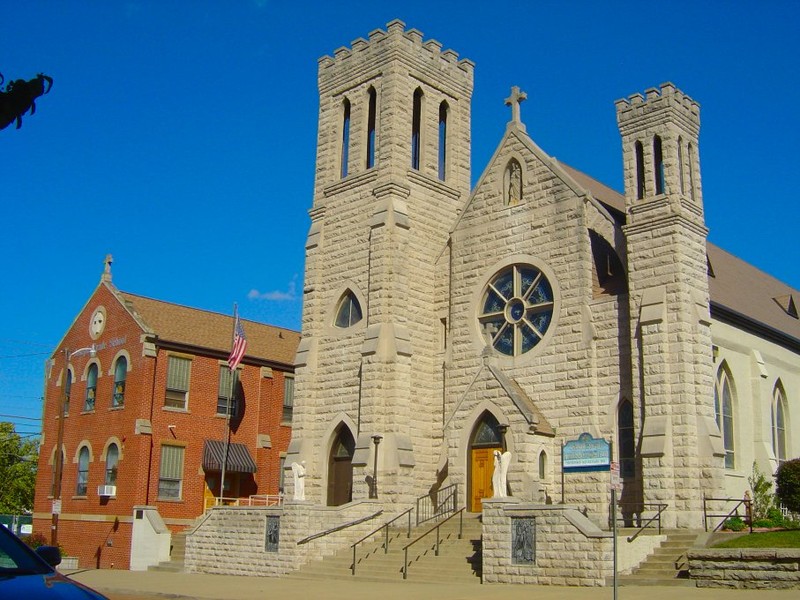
779,425
348,312
416,130
639,151
516,309
626,440
723,408
690,158
658,164
345,135
680,165
371,118
443,110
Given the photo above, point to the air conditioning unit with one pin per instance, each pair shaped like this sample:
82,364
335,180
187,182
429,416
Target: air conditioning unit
106,490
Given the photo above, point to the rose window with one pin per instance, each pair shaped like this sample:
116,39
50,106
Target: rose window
517,309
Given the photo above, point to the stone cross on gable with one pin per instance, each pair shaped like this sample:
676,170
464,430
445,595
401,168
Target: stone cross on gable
107,271
514,100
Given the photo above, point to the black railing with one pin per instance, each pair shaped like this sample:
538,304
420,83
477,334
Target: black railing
734,512
435,528
314,536
641,521
437,504
386,541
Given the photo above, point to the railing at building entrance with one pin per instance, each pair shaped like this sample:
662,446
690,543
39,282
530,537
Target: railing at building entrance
436,528
635,514
746,504
385,528
437,504
254,500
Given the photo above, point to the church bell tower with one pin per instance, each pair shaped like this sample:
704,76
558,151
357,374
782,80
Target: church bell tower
392,171
672,364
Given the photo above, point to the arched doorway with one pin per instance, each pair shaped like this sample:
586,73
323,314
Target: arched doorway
340,467
486,438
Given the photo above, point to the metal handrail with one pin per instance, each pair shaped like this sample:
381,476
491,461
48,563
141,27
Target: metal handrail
252,500
656,517
445,500
748,504
435,528
339,528
386,542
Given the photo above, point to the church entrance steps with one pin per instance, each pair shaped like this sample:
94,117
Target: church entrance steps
667,564
459,560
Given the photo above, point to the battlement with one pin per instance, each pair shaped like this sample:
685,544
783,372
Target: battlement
410,40
664,98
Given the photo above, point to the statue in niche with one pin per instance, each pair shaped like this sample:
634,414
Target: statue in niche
499,482
514,187
299,472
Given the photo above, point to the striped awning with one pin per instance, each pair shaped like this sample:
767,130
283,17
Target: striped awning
239,459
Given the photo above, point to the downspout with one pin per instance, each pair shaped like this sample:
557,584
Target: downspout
152,407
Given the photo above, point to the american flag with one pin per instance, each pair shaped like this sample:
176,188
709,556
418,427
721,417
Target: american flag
239,345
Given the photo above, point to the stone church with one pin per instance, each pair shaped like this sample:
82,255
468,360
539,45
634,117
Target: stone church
442,323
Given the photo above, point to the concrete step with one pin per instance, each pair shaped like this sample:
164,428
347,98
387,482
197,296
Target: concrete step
458,559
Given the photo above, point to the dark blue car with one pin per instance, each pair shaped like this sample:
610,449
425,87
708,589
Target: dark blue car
30,575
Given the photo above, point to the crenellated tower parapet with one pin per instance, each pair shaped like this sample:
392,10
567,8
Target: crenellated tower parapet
660,148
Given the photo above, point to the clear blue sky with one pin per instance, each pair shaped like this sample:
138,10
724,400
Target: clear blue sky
180,137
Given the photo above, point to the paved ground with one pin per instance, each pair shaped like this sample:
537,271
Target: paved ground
141,585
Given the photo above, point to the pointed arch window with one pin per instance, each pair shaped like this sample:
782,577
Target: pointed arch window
345,136
625,439
120,375
112,461
658,165
83,472
690,158
723,408
371,119
443,110
91,388
680,165
416,130
639,151
779,425
542,465
348,311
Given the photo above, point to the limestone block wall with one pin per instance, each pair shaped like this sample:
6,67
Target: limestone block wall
569,549
745,568
232,540
578,373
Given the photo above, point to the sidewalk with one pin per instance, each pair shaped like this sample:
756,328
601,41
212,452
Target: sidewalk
195,586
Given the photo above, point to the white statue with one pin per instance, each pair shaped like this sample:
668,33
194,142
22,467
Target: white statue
501,462
299,472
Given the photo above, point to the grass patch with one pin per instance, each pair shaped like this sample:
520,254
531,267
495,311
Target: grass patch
789,538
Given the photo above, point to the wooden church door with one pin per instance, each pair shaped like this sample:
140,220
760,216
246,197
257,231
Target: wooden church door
340,468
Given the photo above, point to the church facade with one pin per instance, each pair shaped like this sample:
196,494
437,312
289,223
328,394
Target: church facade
443,323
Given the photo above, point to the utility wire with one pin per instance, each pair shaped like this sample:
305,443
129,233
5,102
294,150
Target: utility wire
21,417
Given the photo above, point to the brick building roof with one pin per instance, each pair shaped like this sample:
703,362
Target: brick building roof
733,284
204,329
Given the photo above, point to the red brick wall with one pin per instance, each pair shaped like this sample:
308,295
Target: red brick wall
81,533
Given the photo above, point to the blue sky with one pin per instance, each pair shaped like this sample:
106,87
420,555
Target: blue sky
179,136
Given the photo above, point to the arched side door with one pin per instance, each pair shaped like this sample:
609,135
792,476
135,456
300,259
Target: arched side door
340,468
485,439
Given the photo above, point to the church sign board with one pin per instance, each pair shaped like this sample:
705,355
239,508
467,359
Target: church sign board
586,454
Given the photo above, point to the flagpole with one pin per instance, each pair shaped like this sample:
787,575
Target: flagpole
228,410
